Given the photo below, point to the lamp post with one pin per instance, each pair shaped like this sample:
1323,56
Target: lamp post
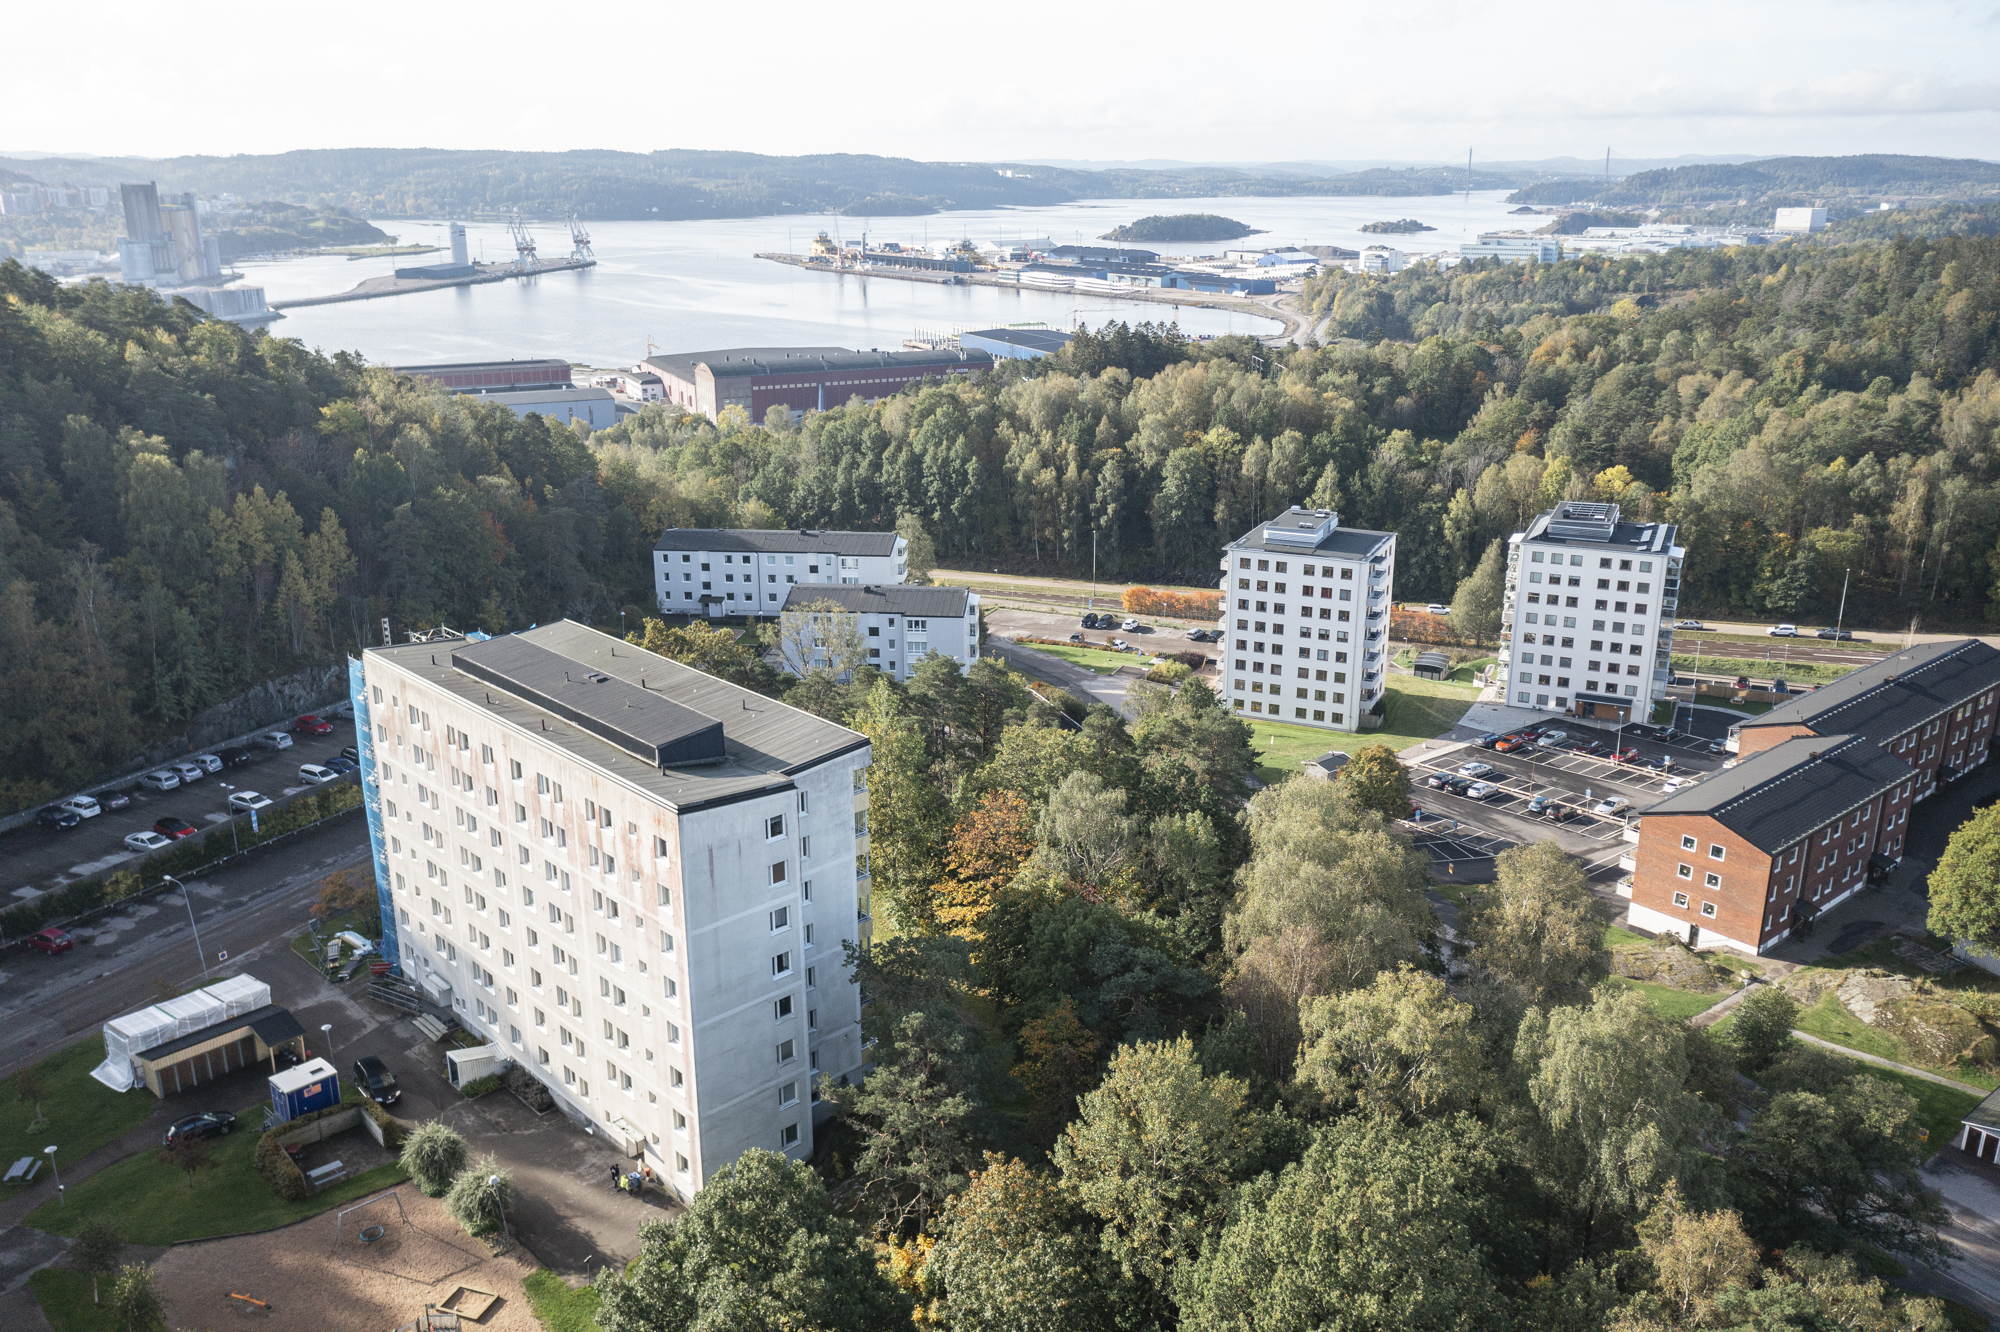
187,899
1841,618
493,1183
60,1199
326,1030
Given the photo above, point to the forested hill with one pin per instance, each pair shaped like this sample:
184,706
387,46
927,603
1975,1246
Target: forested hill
187,509
1780,178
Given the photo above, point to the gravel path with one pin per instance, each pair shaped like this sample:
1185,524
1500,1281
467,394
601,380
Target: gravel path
377,1287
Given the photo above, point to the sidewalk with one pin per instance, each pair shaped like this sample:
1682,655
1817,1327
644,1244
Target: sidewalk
1877,1060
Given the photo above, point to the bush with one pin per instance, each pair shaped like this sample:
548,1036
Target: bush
1194,661
480,1196
1169,672
1180,605
480,1086
434,1154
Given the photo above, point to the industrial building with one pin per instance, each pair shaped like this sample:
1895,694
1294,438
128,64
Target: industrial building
239,305
1305,608
799,379
1019,344
900,624
461,265
1800,219
163,243
750,571
1515,247
1587,623
592,407
478,376
634,878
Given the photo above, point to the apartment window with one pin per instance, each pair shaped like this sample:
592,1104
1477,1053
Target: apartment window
1712,880
812,976
781,964
1687,843
675,1078
787,1051
781,1008
681,1126
788,1137
1680,899
1714,851
788,1094
781,919
1685,871
774,827
777,873
1708,908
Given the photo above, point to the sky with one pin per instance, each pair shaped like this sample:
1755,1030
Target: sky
1026,79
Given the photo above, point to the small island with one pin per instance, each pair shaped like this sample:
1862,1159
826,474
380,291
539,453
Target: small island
1182,227
1400,227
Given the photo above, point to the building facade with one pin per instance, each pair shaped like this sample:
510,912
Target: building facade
1515,247
1305,610
719,571
634,878
1739,858
901,625
474,376
1587,620
800,379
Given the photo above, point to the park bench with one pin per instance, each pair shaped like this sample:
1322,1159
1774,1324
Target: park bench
327,1174
23,1169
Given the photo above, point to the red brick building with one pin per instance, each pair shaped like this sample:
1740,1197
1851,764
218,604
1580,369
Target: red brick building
1731,861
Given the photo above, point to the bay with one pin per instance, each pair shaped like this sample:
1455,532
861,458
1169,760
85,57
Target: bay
695,285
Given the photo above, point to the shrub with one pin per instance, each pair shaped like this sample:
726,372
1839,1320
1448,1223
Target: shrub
392,1132
1180,605
1194,661
278,1168
434,1154
135,1299
480,1195
1169,672
480,1086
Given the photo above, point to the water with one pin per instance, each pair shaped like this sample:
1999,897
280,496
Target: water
687,286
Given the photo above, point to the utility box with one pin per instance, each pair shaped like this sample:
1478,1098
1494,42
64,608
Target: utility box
463,1066
311,1086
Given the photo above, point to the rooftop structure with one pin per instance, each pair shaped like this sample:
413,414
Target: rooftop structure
1514,247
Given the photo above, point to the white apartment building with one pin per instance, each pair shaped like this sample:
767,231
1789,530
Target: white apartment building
1305,615
633,877
1588,619
721,571
1516,247
902,624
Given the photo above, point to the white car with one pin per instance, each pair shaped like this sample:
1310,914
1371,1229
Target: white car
273,740
1783,631
188,772
160,780
1550,739
249,800
1474,769
312,772
1435,609
207,762
1482,790
82,806
343,710
1120,644
146,841
1131,626
1673,784
1611,806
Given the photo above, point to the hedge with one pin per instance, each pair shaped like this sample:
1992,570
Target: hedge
1180,605
276,1164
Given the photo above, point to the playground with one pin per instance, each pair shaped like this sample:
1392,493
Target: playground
373,1266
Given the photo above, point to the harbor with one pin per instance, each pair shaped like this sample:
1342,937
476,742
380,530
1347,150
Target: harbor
373,288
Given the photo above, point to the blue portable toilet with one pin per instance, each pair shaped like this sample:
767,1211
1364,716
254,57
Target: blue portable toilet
311,1086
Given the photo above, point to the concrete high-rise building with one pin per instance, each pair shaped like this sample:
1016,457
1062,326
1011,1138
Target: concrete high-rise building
1588,618
1305,614
634,879
142,211
459,257
163,242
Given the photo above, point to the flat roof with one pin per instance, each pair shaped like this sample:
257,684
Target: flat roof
1351,543
880,599
1891,696
1778,795
647,725
547,362
746,362
1548,529
540,393
1036,339
775,541
270,1018
764,742
681,364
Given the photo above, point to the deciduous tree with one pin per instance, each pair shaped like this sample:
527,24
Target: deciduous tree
1538,925
1376,779
1016,1255
1965,886
1401,1047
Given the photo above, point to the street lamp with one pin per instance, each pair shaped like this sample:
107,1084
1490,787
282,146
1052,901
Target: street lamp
493,1183
60,1200
326,1030
187,898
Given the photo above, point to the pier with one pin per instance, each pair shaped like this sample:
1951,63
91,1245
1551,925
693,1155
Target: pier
373,288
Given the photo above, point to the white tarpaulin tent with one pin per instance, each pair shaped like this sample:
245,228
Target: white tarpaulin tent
126,1036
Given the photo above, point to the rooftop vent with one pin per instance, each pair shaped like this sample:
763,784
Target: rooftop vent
1590,522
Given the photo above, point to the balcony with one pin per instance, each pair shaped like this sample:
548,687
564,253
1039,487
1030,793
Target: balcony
1627,863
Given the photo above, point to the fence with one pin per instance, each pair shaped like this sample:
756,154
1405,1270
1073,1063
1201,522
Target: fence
223,845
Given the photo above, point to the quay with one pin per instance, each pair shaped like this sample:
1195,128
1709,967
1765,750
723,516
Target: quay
372,288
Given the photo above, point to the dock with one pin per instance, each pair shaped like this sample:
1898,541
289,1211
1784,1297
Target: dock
374,288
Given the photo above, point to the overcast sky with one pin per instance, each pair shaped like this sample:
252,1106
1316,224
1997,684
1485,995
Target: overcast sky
995,81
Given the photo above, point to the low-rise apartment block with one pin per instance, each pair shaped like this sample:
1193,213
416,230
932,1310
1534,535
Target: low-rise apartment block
720,571
1305,606
900,625
634,878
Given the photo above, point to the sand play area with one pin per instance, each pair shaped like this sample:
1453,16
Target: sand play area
376,1287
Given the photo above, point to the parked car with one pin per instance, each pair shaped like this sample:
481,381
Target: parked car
1842,635
1457,785
1438,780
235,756
143,842
1550,739
208,1124
1089,621
83,806
375,1080
1474,769
1625,755
57,819
1660,764
1507,744
170,827
210,762
273,740
1783,631
1076,638
312,725
1689,624
1592,748
51,941
188,772
1561,813
1540,804
1674,784
160,780
342,765
353,755
1489,740
1482,790
1121,645
1435,609
1611,806
344,711
1131,625
249,800
314,773
114,799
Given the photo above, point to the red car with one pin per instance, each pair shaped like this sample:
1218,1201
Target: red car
1625,755
1507,744
174,828
312,726
50,941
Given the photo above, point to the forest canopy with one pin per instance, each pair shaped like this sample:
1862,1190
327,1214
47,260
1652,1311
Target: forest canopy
1181,227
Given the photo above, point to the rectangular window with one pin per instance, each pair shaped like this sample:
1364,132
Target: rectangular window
787,1051
788,1094
781,919
1712,880
781,964
1680,899
777,873
774,827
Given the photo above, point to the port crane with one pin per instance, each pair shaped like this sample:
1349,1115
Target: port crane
579,240
524,245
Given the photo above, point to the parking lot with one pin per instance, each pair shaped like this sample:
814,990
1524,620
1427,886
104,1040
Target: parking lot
34,859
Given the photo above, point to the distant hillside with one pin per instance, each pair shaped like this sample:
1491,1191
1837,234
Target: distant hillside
1773,178
1181,227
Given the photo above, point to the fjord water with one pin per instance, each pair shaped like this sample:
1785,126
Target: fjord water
686,286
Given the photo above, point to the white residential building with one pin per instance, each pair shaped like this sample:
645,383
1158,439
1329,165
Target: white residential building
634,878
1588,619
1516,247
1380,259
1305,614
722,571
902,624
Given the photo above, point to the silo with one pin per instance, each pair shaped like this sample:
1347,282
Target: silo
458,254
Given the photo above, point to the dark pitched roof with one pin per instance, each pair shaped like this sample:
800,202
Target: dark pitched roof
1902,690
270,1015
873,599
275,1026
776,541
1775,797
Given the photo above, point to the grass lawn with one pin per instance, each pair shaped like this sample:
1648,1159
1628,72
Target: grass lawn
556,1305
1616,937
1418,710
1830,1022
1100,660
152,1203
83,1114
66,1303
1674,1005
1797,672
